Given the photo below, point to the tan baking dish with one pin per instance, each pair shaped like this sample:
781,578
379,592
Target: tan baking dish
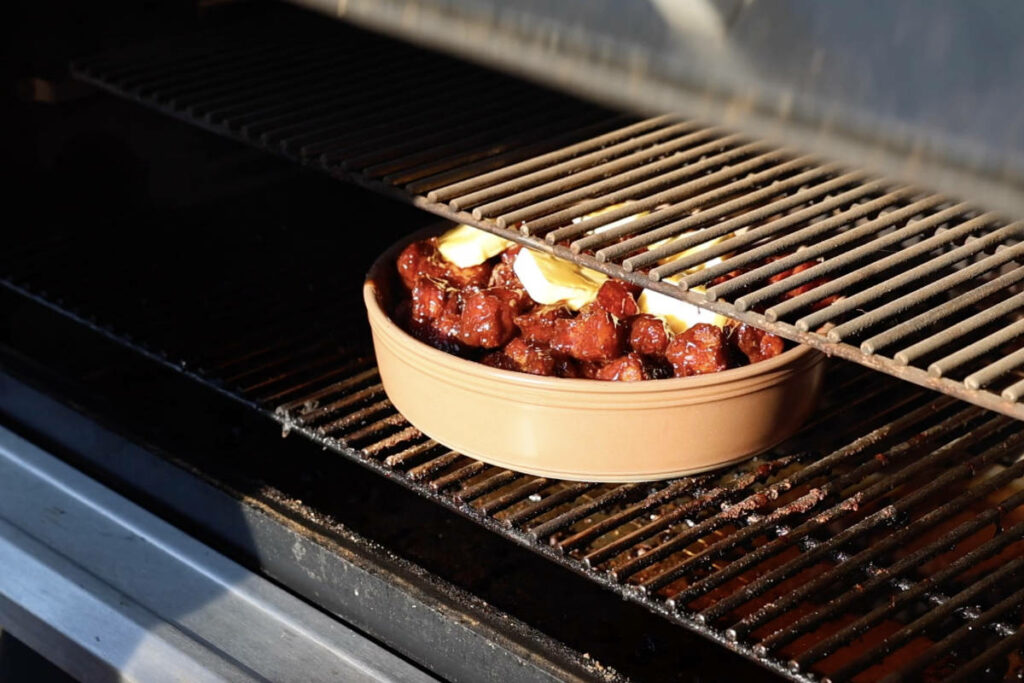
587,429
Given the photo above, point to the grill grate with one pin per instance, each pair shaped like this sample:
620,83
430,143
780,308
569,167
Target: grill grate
886,539
930,286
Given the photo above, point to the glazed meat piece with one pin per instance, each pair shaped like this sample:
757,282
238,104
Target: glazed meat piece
532,358
756,345
423,259
699,350
618,298
629,368
498,359
503,275
592,336
488,317
428,297
538,325
435,313
589,369
649,335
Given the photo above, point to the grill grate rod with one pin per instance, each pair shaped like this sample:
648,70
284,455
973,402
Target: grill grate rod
966,562
1006,572
837,511
847,570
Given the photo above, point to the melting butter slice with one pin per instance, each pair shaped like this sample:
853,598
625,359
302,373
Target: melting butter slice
549,280
678,315
466,246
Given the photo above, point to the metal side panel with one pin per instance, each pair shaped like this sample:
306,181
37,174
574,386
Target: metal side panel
448,631
130,593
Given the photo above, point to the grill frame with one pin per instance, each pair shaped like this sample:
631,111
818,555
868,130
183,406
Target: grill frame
383,157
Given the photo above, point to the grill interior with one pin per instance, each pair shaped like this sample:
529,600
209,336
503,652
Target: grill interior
884,540
930,285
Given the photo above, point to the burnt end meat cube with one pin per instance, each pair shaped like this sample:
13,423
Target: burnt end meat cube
618,298
589,369
649,335
756,345
498,359
423,259
594,335
441,333
488,318
699,350
629,368
434,313
503,274
532,358
412,262
538,325
428,298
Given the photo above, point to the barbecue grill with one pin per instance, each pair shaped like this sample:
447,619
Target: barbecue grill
884,541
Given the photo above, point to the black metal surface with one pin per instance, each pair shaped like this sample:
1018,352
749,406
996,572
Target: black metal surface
813,560
929,284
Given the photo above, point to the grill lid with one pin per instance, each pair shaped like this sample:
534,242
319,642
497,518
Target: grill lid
921,91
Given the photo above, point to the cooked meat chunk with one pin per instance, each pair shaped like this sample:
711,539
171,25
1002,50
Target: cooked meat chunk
503,275
532,358
422,258
618,298
629,368
592,336
499,359
589,369
699,350
756,345
488,317
538,325
429,297
649,335
484,312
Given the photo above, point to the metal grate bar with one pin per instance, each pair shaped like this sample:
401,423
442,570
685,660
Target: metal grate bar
883,516
847,571
846,634
827,267
929,620
977,666
849,505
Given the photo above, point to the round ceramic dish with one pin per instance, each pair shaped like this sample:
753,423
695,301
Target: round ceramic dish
586,429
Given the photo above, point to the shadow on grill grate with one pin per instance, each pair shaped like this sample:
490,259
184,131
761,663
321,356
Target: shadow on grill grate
928,287
886,539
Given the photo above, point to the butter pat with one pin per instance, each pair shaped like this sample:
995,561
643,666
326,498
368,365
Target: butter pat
549,280
678,315
466,246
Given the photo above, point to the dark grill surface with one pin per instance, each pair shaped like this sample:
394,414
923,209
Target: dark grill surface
930,285
887,539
